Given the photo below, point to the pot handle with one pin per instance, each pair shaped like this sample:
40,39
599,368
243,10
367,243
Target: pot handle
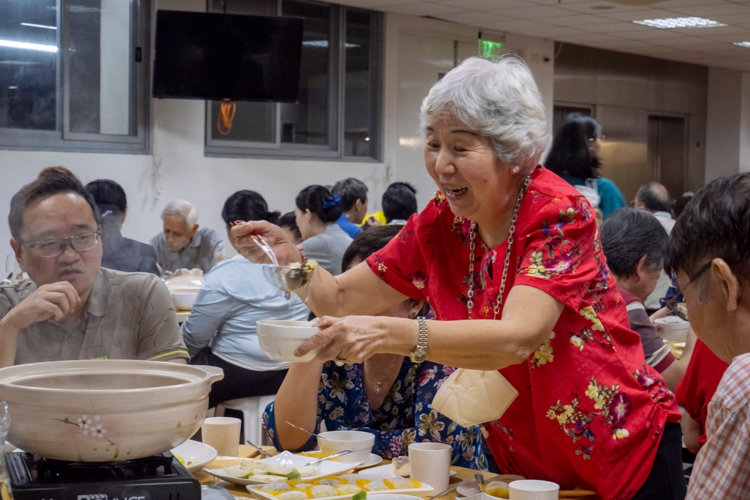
214,372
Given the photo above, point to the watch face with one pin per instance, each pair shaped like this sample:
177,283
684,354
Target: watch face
419,356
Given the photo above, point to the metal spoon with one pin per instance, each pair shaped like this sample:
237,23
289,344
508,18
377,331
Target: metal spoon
448,490
480,480
303,429
261,242
261,450
345,452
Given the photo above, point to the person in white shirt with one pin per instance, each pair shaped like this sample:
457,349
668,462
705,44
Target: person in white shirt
221,331
654,197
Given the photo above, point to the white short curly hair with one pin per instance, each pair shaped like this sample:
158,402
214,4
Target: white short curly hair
496,98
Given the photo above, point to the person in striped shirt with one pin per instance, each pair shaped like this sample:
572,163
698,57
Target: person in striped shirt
709,253
634,242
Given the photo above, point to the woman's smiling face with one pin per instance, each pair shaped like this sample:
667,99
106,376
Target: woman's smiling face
464,166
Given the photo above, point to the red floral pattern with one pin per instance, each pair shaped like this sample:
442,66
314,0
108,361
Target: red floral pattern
590,412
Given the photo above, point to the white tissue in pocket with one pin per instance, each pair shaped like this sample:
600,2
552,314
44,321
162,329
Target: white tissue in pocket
473,397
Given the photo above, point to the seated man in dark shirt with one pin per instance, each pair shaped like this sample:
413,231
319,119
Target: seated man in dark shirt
634,243
119,253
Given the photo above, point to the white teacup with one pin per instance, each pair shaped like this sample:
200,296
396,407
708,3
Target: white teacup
223,434
531,489
431,463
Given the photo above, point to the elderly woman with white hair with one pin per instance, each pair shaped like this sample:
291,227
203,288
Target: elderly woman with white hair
509,257
184,244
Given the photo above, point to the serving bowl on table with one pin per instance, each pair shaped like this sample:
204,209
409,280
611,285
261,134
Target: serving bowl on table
673,328
280,338
336,441
104,410
184,298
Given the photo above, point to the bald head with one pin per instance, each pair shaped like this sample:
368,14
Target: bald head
653,197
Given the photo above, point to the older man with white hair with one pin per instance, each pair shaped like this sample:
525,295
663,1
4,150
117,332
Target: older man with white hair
183,244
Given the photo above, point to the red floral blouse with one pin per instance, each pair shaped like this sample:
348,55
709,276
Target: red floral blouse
590,411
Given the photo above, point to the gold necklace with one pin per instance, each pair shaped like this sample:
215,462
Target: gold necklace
472,246
379,381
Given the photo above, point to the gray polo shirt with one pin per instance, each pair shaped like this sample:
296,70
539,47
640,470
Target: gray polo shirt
128,316
327,248
200,253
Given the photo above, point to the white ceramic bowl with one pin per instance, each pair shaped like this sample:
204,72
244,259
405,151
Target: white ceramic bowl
99,411
673,328
280,338
335,441
195,454
184,298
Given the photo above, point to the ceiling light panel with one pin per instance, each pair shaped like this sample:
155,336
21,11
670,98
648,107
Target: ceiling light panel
680,22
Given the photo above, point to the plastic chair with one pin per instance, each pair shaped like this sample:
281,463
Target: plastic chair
252,415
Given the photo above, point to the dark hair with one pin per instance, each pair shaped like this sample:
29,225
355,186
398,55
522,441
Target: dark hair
290,220
350,190
368,242
650,198
627,235
109,196
319,201
51,181
399,201
247,205
714,224
570,153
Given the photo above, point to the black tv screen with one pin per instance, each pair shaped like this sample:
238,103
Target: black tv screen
227,56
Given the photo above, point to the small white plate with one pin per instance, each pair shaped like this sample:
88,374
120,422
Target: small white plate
385,471
386,494
195,454
373,460
327,468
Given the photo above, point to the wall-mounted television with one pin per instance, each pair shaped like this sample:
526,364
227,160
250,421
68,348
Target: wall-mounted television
227,57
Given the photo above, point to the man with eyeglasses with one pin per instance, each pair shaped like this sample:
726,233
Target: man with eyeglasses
71,307
709,254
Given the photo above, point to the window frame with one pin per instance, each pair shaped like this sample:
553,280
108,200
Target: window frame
334,150
62,138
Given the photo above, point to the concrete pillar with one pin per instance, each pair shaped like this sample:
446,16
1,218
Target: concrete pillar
727,123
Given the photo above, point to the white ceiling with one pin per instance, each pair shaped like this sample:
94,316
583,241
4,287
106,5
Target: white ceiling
605,24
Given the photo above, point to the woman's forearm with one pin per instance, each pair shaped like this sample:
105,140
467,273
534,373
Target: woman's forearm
358,291
297,402
527,322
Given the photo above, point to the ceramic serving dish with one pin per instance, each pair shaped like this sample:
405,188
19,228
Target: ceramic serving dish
99,411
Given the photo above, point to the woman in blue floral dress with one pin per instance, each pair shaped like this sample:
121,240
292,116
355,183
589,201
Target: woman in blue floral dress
388,395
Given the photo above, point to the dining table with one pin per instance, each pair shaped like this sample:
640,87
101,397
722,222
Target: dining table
462,474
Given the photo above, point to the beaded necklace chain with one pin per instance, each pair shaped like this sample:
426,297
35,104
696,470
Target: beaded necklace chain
472,246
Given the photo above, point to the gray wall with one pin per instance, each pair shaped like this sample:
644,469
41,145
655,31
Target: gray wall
624,90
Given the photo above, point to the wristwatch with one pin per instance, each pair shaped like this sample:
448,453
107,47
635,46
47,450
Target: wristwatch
420,352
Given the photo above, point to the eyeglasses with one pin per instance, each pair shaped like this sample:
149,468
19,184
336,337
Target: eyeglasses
678,308
53,248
